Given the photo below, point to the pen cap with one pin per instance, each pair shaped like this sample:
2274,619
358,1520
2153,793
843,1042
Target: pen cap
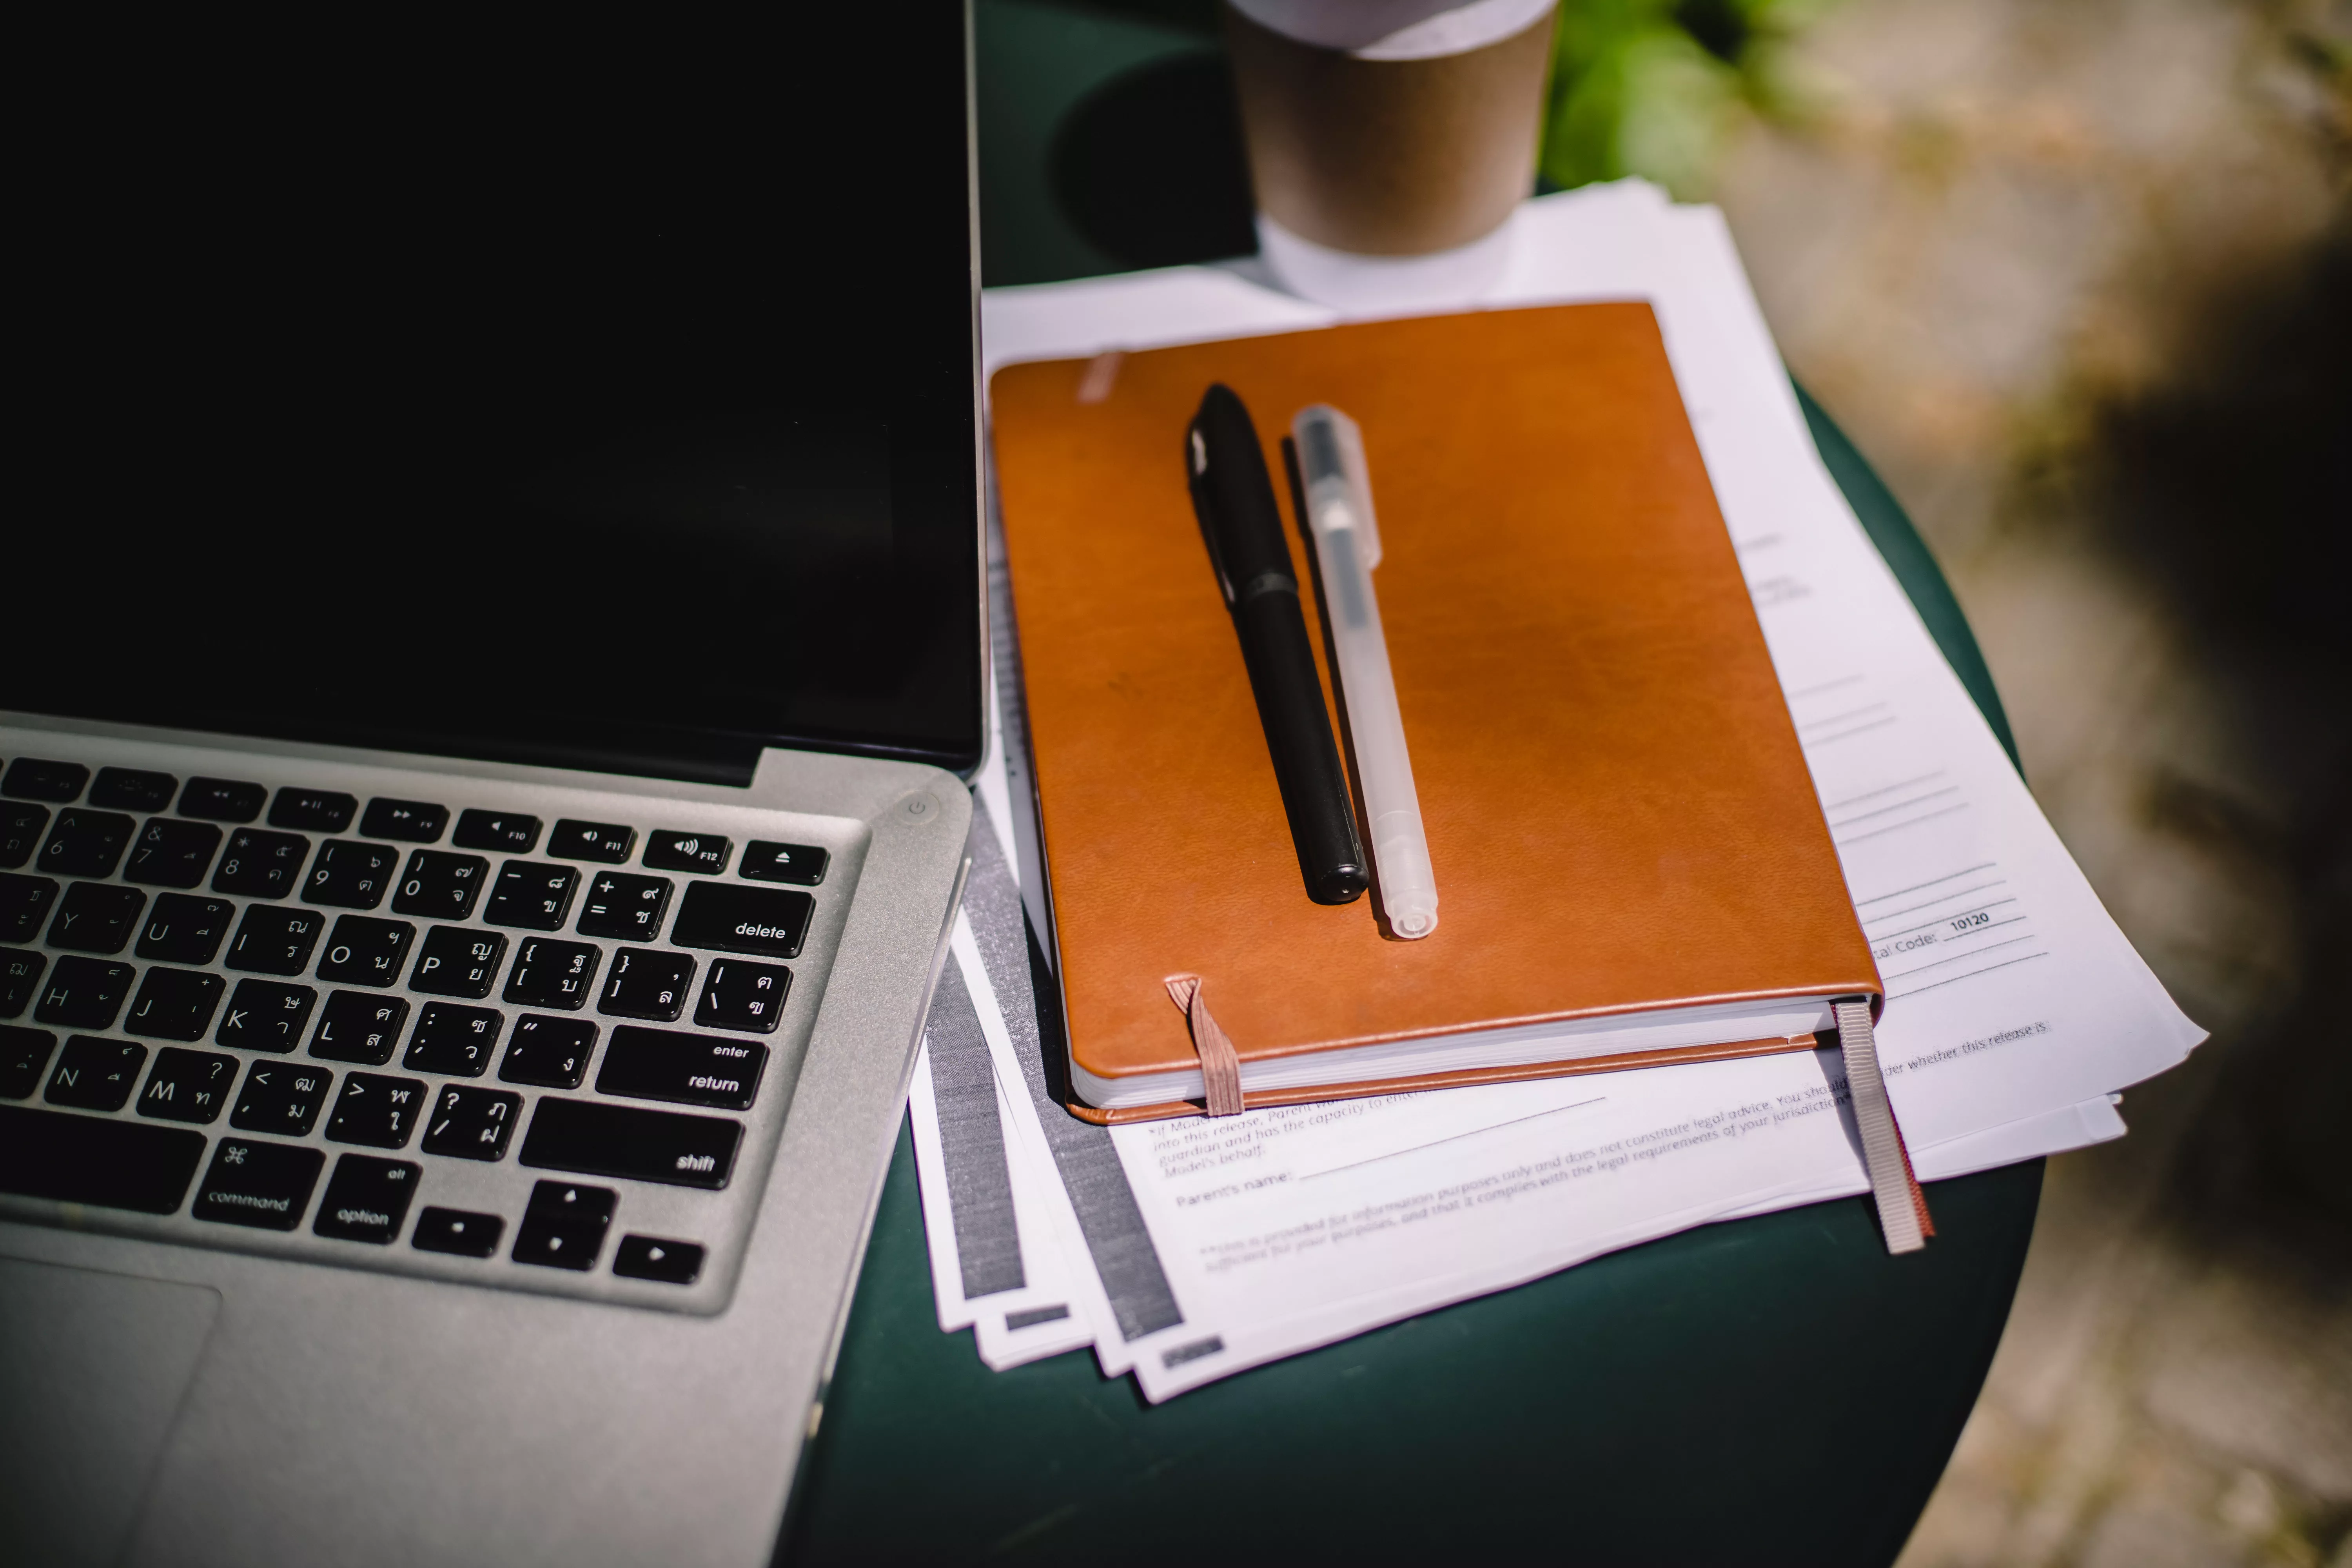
1233,495
1336,478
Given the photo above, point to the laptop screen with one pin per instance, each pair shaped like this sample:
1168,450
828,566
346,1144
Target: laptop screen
606,400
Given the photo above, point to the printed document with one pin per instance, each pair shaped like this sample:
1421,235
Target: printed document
1189,1249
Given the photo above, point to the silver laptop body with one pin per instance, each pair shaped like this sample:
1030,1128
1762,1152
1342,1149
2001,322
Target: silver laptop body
461,980
179,1390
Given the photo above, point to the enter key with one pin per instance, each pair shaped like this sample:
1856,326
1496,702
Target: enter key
686,1069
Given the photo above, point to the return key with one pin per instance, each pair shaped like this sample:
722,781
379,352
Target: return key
687,1069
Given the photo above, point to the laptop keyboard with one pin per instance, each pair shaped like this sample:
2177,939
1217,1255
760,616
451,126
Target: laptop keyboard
386,1019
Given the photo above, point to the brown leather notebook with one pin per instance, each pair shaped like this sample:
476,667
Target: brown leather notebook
1632,863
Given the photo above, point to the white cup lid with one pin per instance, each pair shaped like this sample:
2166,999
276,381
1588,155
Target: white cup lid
1396,29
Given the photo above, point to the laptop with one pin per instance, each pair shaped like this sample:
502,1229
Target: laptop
493,647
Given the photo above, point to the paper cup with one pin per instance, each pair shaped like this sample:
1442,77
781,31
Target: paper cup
1401,132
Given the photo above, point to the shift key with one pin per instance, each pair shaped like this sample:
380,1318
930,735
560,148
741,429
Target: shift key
768,922
626,1141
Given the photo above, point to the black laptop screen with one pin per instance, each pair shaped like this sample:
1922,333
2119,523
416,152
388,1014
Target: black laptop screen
603,401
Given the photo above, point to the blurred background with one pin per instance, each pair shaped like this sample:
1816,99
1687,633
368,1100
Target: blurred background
2077,278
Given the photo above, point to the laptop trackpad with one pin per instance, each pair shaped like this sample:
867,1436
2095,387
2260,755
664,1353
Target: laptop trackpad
91,1369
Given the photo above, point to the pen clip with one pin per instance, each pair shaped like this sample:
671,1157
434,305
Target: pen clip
1196,476
1332,469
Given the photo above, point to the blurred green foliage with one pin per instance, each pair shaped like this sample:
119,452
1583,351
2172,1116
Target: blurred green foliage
1652,86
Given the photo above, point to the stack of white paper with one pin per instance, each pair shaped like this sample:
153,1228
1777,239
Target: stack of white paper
1187,1250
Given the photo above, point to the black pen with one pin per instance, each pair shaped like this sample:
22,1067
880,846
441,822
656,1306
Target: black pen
1233,497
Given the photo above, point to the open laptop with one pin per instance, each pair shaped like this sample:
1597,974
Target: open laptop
492,625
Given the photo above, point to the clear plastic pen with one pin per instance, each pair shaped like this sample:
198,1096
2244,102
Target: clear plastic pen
1347,546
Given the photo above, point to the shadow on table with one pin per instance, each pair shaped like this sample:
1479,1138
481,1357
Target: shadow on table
1149,167
2229,488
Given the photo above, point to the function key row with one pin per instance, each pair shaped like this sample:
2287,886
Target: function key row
94,839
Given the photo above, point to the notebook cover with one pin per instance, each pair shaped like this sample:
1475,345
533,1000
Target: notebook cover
1618,813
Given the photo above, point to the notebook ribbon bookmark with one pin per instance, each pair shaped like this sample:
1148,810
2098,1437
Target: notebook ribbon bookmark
1902,1206
1221,1065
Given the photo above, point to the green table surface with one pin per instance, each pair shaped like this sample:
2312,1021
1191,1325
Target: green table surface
1772,1390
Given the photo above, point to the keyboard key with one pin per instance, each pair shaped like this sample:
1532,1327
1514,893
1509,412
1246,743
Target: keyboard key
742,920
222,800
550,1052
30,778
350,875
184,928
741,996
606,841
600,1139
260,864
282,1097
553,974
20,979
24,901
134,1165
94,1074
365,952
24,1057
624,908
265,1186
133,789
472,1123
267,1016
499,831
355,1026
21,826
672,851
382,1111
312,810
174,1005
459,1041
565,1225
274,942
657,1258
459,1232
647,983
84,994
689,1069
410,821
97,917
187,1086
86,843
456,961
367,1199
441,886
169,853
530,895
803,864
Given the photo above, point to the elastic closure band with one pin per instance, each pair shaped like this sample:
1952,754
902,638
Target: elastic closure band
1220,1065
